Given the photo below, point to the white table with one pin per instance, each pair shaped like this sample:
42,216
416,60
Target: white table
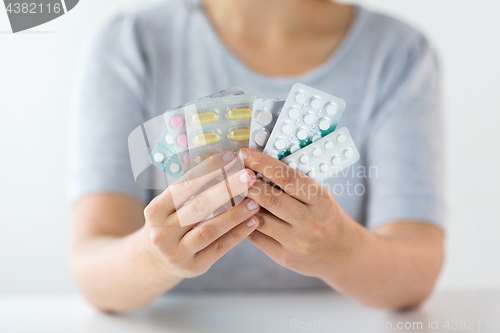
252,313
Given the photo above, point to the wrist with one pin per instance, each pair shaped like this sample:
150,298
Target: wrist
350,242
151,257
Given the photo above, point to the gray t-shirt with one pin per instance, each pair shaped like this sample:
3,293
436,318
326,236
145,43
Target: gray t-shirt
138,65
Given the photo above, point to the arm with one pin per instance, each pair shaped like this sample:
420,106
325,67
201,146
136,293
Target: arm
395,266
110,261
304,229
122,258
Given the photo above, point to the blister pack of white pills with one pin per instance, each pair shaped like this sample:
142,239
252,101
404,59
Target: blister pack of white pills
217,124
165,157
326,157
264,115
308,115
176,125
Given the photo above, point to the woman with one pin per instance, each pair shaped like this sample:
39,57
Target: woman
378,238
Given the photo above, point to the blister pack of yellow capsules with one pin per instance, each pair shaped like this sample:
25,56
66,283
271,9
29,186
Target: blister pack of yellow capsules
176,124
216,125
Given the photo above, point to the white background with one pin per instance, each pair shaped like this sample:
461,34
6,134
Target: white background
36,71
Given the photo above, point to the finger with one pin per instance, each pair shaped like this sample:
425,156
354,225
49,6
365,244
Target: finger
276,201
290,180
221,246
184,188
275,227
228,205
210,170
206,233
266,244
200,207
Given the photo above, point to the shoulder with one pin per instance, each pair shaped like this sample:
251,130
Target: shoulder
395,49
139,25
390,35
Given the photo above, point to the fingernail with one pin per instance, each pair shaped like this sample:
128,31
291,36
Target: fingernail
251,222
245,177
228,157
251,205
243,154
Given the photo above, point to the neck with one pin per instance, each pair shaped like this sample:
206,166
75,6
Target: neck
269,19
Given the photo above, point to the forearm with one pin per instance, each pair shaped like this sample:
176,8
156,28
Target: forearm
118,273
393,267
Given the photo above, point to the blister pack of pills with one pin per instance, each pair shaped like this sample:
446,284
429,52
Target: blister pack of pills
308,115
217,124
233,91
176,125
165,157
264,115
325,157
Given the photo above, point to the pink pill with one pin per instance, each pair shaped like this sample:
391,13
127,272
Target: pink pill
182,140
186,158
177,122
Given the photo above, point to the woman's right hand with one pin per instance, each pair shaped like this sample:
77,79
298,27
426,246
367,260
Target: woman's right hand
189,251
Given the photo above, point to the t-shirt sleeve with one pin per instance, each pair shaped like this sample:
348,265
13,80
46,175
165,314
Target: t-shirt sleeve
405,145
108,103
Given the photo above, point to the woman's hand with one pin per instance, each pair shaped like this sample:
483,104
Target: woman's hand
187,251
302,227
305,230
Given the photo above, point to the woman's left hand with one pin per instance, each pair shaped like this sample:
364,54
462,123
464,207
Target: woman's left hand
302,227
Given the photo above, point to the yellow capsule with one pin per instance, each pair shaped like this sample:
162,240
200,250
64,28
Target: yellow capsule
206,139
239,114
204,118
240,135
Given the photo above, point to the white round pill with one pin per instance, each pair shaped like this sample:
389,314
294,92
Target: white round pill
274,155
169,140
316,137
174,167
312,174
348,153
287,128
292,164
302,134
341,138
336,160
304,159
331,108
279,144
293,113
159,157
316,152
315,103
309,118
324,124
300,97
303,169
294,148
329,145
264,117
323,167
260,138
